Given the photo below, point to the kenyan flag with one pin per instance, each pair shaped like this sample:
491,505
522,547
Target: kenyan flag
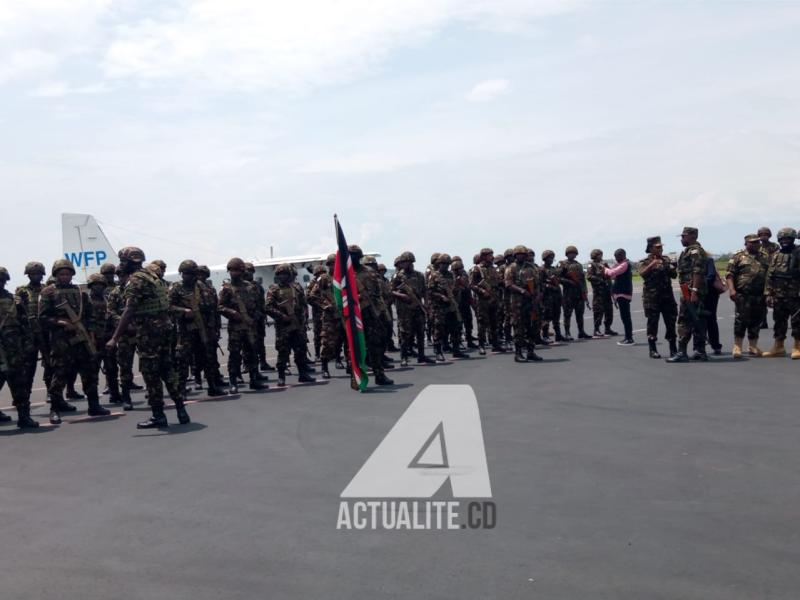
345,291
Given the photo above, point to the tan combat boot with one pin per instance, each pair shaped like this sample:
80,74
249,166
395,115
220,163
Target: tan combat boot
776,350
796,350
754,350
737,348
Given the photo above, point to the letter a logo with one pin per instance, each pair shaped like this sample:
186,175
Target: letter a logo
439,437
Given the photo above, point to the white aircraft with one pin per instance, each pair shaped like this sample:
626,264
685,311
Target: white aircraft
85,244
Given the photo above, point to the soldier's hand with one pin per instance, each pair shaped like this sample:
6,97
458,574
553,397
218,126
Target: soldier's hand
733,294
111,345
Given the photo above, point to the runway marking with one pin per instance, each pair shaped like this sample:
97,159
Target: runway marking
89,419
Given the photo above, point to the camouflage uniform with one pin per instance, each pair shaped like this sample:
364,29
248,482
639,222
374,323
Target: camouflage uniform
602,305
102,331
203,274
747,275
385,314
126,345
521,281
691,262
783,288
486,282
370,299
241,298
388,299
464,299
332,328
29,293
261,317
411,313
658,299
570,271
446,321
316,310
552,299
286,304
508,258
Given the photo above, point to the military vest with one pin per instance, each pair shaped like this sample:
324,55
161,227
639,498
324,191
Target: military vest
784,274
153,300
749,272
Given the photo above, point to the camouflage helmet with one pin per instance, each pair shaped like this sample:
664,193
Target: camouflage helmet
486,251
320,270
161,264
62,263
397,261
187,266
499,260
249,267
520,249
4,276
96,279
154,269
548,254
443,258
570,250
131,254
118,271
435,257
34,267
457,265
331,258
371,261
508,252
476,259
284,268
407,256
108,268
235,264
595,254
355,250
787,232
456,257
203,271
765,231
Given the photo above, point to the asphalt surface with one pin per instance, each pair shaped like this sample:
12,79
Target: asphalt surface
614,475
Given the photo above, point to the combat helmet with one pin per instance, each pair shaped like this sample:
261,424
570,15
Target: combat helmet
787,232
203,271
4,276
443,258
508,253
320,270
331,258
235,264
486,251
283,268
476,259
35,267
249,267
596,253
62,263
520,249
456,265
371,261
407,256
570,250
188,266
108,268
548,254
131,254
435,257
161,264
96,278
355,250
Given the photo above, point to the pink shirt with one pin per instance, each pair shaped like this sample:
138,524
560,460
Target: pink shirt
618,270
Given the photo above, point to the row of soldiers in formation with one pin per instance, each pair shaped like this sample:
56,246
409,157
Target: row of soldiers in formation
175,329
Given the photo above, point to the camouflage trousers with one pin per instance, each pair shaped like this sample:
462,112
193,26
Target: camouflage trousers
750,312
446,327
374,335
487,317
126,351
551,306
602,308
506,323
316,319
784,313
332,336
155,363
522,323
666,309
573,303
465,311
191,350
33,351
290,341
68,359
411,330
261,346
107,363
691,328
241,351
14,370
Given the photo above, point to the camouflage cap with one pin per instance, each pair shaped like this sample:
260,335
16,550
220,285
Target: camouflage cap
131,254
35,267
508,252
765,230
407,256
457,265
320,270
596,253
161,264
652,241
4,276
486,251
96,279
370,260
108,268
248,266
570,250
331,258
689,231
787,232
235,264
751,237
283,268
444,258
62,263
187,266
203,270
548,254
520,249
434,257
355,250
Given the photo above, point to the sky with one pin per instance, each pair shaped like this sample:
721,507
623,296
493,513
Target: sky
208,129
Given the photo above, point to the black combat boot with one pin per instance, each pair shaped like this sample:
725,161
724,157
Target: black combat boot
180,410
519,357
567,335
382,379
255,381
679,356
532,356
582,335
304,373
653,350
61,405
213,390
610,332
673,348
481,349
324,367
424,360
126,398
136,387
339,364
458,353
72,393
234,378
158,420
198,382
4,418
24,420
403,358
281,377
557,329
113,393
471,343
437,352
95,410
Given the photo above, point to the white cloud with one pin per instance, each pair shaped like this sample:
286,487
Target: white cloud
488,90
59,89
23,63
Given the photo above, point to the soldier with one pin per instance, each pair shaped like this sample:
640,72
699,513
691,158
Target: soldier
15,338
203,276
239,302
485,282
316,309
331,326
65,313
464,300
445,310
536,301
769,247
101,330
261,320
410,290
552,298
385,316
747,272
147,308
194,310
692,279
126,344
109,271
508,258
370,300
602,305
570,271
429,316
500,266
286,306
521,289
782,289
657,272
30,293
388,298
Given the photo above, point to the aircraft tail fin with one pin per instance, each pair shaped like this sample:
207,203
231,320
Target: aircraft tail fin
85,244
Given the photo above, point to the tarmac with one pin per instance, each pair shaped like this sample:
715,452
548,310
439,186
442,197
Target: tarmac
614,476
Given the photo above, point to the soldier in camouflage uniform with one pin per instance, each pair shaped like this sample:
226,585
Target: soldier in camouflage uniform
429,316
194,310
694,287
388,299
261,321
332,329
15,340
657,272
446,322
552,298
770,248
746,276
101,330
203,276
410,291
521,283
464,300
30,293
782,290
126,344
370,299
508,258
573,280
65,313
147,309
602,305
385,316
485,281
287,306
500,267
109,271
316,309
239,303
